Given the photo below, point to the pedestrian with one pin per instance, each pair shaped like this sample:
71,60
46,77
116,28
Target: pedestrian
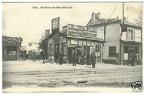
133,57
93,60
61,58
52,59
82,59
42,55
74,58
65,59
79,59
22,55
25,55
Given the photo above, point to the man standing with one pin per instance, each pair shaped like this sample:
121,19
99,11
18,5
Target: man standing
133,57
74,58
93,60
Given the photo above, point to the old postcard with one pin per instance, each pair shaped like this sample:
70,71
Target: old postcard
72,47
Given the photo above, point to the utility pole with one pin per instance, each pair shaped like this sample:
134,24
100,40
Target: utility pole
123,12
121,31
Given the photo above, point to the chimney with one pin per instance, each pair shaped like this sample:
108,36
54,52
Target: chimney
47,33
98,15
93,18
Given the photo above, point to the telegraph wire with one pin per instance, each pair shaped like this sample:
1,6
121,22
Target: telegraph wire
114,10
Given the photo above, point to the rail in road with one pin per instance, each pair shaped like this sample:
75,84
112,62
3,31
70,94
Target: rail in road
95,77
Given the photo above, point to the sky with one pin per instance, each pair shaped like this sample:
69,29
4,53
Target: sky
22,20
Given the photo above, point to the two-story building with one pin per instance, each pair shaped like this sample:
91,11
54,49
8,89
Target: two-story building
120,38
130,42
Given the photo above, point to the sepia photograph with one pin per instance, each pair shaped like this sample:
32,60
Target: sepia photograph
72,47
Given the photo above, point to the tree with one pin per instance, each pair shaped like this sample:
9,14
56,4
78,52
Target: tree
42,44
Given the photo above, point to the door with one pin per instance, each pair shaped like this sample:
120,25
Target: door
70,54
56,54
98,53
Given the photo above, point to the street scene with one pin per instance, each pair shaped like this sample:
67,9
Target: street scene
58,47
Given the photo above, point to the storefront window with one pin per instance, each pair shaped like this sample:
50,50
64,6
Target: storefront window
88,43
112,51
79,42
84,43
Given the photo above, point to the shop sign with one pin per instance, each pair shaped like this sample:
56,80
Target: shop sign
81,31
55,24
74,41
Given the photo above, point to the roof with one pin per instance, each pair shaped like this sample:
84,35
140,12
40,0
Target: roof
101,21
130,24
11,41
97,21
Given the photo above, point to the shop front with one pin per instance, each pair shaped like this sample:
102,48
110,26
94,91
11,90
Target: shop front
84,40
130,48
84,48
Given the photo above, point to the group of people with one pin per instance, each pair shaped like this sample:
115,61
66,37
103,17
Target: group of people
91,59
23,55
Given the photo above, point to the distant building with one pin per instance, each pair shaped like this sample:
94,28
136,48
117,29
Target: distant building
121,39
11,48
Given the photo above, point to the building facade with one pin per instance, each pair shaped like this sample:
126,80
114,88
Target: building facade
83,40
131,42
56,44
11,48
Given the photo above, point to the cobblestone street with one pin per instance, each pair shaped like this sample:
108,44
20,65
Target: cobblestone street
31,74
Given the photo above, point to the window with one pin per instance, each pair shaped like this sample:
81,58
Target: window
130,34
125,49
112,51
79,42
84,43
88,43
98,47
